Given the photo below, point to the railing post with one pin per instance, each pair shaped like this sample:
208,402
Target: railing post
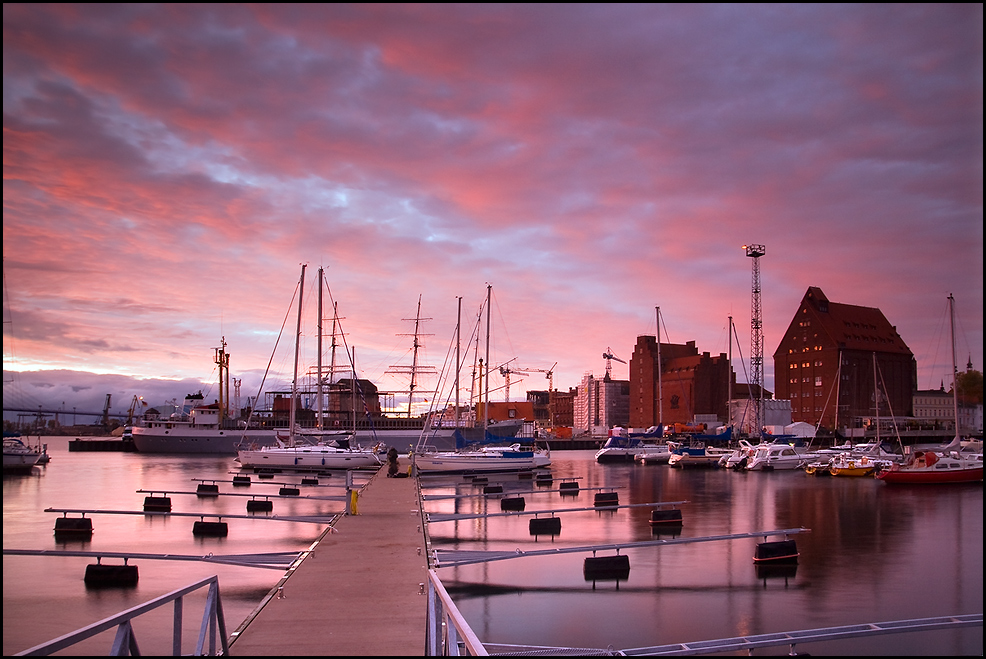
452,638
124,643
176,633
432,622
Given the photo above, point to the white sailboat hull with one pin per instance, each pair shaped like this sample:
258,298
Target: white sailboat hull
480,461
308,457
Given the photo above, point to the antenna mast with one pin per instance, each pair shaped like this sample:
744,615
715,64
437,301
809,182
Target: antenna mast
756,336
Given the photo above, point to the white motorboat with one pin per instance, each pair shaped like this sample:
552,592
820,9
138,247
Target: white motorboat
18,457
619,447
653,454
778,456
739,457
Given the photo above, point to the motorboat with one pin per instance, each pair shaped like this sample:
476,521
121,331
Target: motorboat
18,457
619,447
856,465
739,456
777,456
695,456
652,454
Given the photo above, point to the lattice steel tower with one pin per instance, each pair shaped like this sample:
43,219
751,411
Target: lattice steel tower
756,338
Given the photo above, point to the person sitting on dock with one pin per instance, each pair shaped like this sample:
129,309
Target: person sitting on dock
392,462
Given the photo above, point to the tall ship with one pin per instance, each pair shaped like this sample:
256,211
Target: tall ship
328,404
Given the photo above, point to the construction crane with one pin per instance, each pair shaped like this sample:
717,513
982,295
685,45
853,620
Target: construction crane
610,358
106,411
505,371
549,374
135,409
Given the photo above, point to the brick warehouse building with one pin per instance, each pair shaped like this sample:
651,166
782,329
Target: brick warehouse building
691,383
807,364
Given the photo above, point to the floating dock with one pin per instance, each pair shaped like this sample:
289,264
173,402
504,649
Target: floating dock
100,444
361,590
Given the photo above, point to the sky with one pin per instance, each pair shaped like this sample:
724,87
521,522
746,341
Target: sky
169,168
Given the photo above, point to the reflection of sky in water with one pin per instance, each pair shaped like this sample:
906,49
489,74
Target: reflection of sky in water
45,597
875,553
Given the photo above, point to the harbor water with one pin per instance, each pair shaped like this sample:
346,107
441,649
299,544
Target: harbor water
874,553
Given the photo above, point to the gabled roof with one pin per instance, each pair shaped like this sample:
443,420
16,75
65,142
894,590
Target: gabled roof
848,326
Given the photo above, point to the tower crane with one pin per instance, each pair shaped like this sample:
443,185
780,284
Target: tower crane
505,371
610,358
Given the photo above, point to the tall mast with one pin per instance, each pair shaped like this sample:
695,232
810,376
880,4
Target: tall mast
414,368
955,368
660,367
729,376
486,401
876,396
458,364
297,346
335,320
318,379
222,361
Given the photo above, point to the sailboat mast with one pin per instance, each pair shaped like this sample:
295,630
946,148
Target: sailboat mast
729,375
876,396
486,400
955,368
838,393
297,346
414,360
458,364
660,367
318,379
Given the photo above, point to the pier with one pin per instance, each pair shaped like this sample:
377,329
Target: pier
361,589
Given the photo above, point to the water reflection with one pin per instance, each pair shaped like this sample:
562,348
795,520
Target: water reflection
874,554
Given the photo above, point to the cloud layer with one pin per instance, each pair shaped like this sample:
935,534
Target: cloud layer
167,169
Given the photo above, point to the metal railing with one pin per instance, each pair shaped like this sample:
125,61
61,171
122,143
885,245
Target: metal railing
448,634
125,642
446,628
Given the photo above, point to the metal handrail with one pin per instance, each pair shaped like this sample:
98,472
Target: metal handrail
125,642
446,626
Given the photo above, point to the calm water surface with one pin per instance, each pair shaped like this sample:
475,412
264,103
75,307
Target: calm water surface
875,553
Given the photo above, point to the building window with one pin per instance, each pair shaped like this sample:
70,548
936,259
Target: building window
818,381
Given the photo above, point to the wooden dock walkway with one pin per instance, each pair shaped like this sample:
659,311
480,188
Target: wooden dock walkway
360,592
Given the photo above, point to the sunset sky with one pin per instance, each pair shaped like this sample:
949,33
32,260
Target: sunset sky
168,168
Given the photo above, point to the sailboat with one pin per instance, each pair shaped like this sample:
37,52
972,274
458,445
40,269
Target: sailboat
868,459
332,451
949,464
479,457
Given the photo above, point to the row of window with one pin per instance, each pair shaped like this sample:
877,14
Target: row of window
807,380
793,365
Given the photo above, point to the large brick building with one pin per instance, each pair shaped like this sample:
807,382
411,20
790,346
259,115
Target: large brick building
825,364
691,383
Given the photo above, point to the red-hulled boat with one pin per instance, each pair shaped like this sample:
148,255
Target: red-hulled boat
936,467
